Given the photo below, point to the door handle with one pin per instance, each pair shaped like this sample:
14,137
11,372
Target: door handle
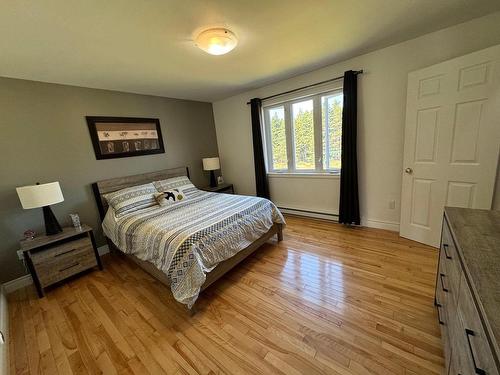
409,170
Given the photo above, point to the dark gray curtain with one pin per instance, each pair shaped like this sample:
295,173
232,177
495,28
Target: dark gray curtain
349,199
261,183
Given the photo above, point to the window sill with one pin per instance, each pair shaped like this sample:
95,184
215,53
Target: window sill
333,175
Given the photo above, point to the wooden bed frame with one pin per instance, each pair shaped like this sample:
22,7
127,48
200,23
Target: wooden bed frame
108,186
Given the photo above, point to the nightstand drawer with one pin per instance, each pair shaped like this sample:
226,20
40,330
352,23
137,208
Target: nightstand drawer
58,268
65,250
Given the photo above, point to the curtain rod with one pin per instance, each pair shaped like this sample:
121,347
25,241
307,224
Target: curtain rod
306,87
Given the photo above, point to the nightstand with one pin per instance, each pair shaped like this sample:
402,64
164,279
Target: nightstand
222,188
51,259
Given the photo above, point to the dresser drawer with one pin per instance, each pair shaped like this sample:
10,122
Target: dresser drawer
65,250
476,349
443,308
453,366
461,363
447,284
449,256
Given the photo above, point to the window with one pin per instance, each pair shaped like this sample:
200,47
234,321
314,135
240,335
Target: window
331,126
305,135
278,138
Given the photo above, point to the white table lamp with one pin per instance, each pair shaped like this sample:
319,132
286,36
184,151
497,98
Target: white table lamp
211,164
36,196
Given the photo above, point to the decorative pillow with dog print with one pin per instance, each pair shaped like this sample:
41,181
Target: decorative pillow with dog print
181,183
169,197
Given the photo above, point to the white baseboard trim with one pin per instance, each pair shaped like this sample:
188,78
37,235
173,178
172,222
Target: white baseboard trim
370,223
4,328
316,215
21,282
380,224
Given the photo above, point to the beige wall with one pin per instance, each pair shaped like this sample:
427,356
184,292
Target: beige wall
44,137
382,102
288,192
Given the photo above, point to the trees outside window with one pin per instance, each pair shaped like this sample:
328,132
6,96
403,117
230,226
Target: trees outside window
278,138
331,121
305,135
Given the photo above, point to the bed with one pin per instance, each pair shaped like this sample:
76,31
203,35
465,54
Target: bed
189,245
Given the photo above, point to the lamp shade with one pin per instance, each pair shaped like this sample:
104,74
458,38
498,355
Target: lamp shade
35,196
211,164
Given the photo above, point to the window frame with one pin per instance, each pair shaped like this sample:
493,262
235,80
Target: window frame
287,104
268,139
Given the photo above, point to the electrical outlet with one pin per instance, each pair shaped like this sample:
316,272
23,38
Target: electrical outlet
20,254
392,204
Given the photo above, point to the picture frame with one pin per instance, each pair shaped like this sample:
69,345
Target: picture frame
121,137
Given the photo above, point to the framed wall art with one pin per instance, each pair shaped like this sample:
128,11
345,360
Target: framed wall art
120,137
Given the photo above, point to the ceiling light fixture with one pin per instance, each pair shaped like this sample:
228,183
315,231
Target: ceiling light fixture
217,41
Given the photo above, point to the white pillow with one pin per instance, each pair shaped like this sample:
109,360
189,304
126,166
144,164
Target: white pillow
132,199
181,183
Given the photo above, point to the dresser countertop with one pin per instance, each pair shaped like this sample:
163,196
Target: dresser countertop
477,237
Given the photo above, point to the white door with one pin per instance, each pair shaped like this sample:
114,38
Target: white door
452,138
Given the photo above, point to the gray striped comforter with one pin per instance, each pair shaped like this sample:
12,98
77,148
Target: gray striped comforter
188,239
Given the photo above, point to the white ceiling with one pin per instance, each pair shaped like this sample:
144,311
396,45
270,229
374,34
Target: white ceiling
146,46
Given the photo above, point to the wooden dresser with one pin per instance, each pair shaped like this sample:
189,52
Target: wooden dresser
468,291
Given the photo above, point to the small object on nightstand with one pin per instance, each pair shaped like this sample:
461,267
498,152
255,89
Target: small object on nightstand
211,164
220,180
75,219
51,259
222,188
29,235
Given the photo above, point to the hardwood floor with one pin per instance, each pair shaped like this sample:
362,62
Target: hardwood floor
326,300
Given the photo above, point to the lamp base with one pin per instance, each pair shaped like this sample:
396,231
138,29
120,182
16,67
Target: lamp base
213,181
51,224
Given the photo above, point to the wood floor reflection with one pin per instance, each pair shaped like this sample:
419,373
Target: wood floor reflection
326,300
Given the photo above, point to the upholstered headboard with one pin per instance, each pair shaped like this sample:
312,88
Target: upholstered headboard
113,184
